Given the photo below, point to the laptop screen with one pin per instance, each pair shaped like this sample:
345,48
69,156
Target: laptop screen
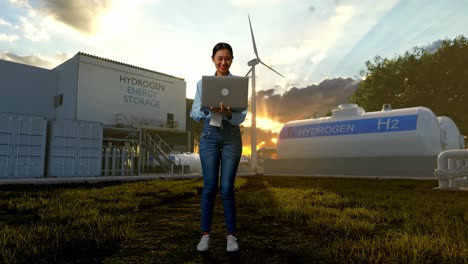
231,90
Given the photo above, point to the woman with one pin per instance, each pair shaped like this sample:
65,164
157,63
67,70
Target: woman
220,146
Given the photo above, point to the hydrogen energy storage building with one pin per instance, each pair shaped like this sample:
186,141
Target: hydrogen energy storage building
89,116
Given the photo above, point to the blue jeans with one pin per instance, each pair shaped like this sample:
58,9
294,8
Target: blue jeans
219,146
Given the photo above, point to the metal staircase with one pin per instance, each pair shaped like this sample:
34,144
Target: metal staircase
154,145
160,151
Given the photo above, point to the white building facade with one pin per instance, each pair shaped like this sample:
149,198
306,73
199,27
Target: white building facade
129,102
96,89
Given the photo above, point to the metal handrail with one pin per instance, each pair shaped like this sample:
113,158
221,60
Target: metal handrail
157,152
160,152
160,148
126,121
163,144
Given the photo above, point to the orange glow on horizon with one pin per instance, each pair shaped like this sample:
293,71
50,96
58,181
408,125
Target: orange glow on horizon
263,123
247,150
261,144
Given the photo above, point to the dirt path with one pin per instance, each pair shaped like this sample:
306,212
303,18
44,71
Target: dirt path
169,233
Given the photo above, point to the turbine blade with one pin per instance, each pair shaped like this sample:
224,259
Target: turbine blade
272,69
253,38
247,74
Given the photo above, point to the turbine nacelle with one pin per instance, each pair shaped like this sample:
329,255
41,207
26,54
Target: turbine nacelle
254,62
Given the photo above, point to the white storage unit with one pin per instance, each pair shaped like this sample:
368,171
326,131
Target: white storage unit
192,160
75,148
22,146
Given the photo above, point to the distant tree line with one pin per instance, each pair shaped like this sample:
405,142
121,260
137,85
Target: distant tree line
437,80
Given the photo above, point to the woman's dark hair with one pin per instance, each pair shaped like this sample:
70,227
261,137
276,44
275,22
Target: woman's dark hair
221,46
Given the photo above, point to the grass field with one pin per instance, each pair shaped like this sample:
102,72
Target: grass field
280,220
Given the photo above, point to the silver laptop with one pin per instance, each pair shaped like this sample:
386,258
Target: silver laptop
231,90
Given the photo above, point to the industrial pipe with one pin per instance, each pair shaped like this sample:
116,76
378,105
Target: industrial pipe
450,166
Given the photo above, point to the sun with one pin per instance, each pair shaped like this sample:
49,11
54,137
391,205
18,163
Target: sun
264,123
114,21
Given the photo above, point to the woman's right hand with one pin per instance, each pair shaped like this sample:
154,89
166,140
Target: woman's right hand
222,109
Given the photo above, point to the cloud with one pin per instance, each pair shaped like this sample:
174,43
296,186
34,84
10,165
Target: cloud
78,14
96,21
31,31
4,36
327,38
343,14
290,54
61,57
315,42
256,3
9,38
302,103
91,18
34,60
4,23
20,3
431,48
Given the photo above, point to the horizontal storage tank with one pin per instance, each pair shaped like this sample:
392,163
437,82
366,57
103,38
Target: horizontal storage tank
190,159
450,135
22,146
75,148
351,132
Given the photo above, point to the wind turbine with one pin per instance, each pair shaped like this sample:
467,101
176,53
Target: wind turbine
252,63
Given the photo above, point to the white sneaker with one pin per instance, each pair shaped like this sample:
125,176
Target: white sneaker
204,243
232,245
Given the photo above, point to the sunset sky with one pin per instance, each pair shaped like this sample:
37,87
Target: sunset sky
305,40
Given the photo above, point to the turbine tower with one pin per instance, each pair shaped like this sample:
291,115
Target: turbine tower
252,63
